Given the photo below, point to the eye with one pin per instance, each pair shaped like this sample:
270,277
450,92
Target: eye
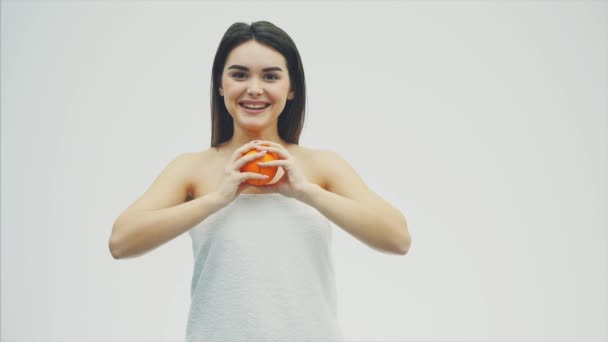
238,74
275,77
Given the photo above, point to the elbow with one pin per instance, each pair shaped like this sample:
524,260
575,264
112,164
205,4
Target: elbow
405,239
401,244
405,246
113,250
113,246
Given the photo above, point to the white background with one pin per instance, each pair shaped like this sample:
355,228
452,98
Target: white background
485,122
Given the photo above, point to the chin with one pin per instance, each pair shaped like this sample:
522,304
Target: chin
249,124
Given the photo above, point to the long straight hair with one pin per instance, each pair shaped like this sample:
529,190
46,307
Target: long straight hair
291,119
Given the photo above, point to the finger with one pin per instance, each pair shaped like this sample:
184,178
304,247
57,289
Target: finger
271,143
281,162
251,175
241,150
281,152
246,159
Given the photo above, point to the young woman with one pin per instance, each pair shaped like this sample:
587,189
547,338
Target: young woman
262,253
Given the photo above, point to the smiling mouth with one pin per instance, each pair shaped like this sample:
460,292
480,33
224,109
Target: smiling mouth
254,107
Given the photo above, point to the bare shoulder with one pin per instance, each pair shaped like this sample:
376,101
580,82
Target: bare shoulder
183,164
202,171
330,158
197,156
303,152
344,180
340,176
169,188
324,163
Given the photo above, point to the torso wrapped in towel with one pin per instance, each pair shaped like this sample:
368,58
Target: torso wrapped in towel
263,271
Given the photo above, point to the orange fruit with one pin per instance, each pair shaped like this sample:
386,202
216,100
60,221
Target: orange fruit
252,166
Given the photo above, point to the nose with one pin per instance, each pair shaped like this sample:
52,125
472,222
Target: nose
254,87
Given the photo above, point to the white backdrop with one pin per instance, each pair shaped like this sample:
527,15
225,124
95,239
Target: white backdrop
485,122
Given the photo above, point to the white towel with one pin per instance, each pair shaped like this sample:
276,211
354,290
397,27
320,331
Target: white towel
263,271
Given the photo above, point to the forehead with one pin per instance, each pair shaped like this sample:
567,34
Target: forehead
255,56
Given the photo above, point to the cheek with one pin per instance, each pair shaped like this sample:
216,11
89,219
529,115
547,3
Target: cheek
229,83
280,92
232,90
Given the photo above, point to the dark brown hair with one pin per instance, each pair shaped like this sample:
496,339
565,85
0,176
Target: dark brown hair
291,119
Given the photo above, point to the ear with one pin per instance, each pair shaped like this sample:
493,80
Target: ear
221,92
291,95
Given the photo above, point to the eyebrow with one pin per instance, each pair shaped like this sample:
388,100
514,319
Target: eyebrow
244,68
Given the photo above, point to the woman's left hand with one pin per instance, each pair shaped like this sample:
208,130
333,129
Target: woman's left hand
292,183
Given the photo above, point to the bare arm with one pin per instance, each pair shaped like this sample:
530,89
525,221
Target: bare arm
354,207
140,232
381,232
162,212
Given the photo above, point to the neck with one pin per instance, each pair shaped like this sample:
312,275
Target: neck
241,138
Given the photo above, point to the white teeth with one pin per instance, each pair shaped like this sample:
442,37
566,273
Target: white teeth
252,106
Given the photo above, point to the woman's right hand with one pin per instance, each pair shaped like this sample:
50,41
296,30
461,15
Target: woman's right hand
233,180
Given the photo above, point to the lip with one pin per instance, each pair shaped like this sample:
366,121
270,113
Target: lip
253,111
253,102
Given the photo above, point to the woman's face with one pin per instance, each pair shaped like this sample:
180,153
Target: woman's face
255,74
